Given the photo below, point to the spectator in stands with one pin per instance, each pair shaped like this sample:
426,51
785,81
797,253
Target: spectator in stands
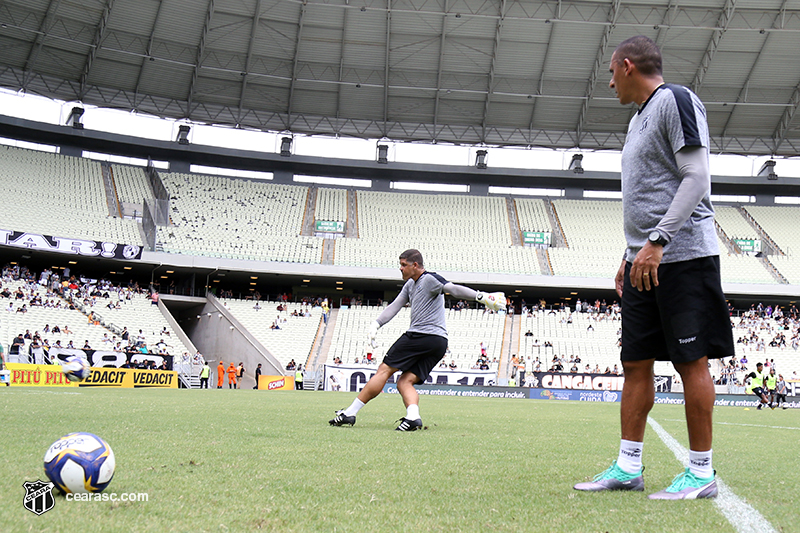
574,368
452,365
257,307
291,365
67,331
70,346
125,335
669,280
529,333
86,345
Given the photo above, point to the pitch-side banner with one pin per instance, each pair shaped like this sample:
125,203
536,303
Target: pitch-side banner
46,243
24,375
553,380
353,378
108,358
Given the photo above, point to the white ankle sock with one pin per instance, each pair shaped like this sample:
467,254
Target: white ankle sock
700,463
630,456
412,412
354,408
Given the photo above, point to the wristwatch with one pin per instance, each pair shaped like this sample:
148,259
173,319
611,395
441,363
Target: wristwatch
656,238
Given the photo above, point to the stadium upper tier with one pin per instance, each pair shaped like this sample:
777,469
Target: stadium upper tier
63,196
225,217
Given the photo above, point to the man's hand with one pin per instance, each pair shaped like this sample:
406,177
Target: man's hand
644,272
619,279
493,300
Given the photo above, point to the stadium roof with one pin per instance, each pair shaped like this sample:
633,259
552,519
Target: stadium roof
495,72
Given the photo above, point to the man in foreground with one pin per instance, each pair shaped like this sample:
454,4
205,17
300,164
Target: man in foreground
673,308
420,348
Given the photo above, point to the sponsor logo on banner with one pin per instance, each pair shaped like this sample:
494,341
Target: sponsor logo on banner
353,378
599,382
23,375
275,383
47,243
38,497
109,359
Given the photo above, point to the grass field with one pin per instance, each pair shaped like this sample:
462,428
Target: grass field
243,460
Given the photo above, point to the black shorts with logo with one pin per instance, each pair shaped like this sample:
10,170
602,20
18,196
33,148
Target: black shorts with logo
417,353
683,319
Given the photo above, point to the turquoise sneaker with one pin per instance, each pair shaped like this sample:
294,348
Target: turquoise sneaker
687,486
614,478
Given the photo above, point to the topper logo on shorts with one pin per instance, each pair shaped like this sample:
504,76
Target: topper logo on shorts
687,340
38,497
276,384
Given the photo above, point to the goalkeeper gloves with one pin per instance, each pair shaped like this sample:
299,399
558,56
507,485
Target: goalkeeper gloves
373,332
493,300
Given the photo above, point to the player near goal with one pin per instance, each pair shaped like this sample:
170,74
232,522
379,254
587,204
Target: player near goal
673,307
420,348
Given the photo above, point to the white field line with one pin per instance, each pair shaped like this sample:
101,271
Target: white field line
743,517
737,424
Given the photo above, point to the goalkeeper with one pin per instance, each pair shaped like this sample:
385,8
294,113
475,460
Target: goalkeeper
420,348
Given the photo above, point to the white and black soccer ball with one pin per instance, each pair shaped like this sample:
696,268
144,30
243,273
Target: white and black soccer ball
76,368
80,462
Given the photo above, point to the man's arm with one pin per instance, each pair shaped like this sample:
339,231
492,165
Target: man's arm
494,300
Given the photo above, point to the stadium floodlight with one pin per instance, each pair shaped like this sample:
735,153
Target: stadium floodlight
480,158
768,170
183,134
575,165
74,118
383,154
286,146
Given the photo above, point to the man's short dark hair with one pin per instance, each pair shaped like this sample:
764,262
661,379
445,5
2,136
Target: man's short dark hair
759,364
412,256
643,52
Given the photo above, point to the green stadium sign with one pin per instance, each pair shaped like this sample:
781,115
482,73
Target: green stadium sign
748,245
537,238
329,226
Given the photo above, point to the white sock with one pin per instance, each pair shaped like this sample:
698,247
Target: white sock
700,463
412,412
354,408
630,456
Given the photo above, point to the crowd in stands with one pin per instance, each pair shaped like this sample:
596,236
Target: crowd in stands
63,290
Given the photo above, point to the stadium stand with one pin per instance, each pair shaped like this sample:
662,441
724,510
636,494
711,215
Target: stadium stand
331,205
241,219
593,229
136,313
132,185
38,185
458,233
781,223
296,335
532,215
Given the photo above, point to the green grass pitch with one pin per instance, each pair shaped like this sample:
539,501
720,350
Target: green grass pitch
244,460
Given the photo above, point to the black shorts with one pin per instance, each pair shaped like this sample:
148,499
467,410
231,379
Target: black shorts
417,353
758,391
683,319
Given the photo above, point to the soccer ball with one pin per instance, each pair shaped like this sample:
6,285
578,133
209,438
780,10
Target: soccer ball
76,368
80,462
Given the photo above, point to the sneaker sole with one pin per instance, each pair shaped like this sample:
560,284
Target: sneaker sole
635,484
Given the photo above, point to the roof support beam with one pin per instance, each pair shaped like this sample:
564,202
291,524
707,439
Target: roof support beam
540,88
439,70
386,68
96,43
201,47
599,63
666,22
490,86
341,64
253,32
295,60
722,26
148,54
786,120
742,96
38,43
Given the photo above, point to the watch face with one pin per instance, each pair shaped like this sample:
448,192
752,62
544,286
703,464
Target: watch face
655,236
